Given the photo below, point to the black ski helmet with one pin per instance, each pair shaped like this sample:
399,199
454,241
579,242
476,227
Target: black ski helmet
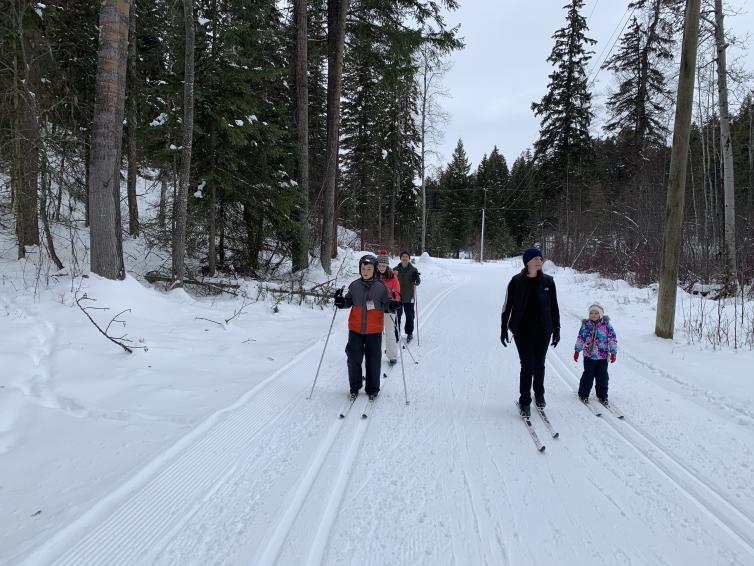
368,259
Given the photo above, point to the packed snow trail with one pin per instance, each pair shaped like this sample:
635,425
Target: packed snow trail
452,478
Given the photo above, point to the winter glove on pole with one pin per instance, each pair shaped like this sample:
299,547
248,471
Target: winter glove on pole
339,299
612,358
394,306
555,337
504,337
575,356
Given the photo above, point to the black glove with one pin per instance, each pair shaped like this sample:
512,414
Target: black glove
339,299
417,280
504,337
394,306
555,337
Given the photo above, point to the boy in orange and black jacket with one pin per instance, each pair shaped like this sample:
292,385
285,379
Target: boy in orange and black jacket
369,299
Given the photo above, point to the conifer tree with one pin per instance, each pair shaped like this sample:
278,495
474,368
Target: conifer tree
564,147
457,201
637,108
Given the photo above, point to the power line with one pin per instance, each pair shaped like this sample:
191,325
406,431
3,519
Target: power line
598,67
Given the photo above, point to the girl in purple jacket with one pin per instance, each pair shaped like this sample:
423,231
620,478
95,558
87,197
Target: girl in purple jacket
598,342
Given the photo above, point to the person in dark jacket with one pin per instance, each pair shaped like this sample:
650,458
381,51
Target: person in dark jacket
409,278
531,313
369,299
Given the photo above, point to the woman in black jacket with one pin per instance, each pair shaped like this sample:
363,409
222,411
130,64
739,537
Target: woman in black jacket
531,313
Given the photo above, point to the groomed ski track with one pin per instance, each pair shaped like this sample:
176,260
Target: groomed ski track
450,479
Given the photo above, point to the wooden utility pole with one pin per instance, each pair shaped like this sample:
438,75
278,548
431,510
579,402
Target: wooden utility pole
726,143
105,235
665,321
336,39
181,204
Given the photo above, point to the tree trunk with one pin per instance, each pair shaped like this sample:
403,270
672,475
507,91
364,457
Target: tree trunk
726,143
27,141
336,33
423,146
301,245
47,189
212,248
665,320
212,221
107,134
181,204
133,208
163,200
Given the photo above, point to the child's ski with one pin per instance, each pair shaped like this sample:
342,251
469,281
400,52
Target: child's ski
613,409
347,406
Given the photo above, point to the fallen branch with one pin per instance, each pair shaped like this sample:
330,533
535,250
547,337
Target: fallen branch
119,340
209,320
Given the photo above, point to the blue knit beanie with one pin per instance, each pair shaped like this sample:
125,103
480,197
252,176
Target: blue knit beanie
530,254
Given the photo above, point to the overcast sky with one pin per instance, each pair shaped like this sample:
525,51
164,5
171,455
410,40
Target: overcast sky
503,67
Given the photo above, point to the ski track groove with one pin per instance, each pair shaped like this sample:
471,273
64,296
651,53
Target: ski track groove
337,486
143,514
135,498
717,505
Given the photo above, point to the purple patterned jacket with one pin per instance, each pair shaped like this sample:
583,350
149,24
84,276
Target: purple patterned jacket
597,339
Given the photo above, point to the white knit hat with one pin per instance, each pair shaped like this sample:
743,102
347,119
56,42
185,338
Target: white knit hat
598,306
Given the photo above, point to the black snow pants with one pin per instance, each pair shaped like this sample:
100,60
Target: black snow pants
408,308
532,349
594,371
360,346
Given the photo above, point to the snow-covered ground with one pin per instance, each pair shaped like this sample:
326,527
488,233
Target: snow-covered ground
204,449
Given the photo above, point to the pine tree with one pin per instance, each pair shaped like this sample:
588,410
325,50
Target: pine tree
492,177
457,201
564,147
637,109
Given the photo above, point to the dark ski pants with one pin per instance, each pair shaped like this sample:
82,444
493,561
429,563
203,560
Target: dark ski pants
532,349
409,310
594,370
358,347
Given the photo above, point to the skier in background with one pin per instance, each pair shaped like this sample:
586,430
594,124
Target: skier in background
409,278
390,280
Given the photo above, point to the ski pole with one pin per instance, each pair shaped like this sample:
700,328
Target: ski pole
403,369
416,306
409,353
322,357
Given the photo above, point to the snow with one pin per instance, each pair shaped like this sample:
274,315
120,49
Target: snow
159,120
205,450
